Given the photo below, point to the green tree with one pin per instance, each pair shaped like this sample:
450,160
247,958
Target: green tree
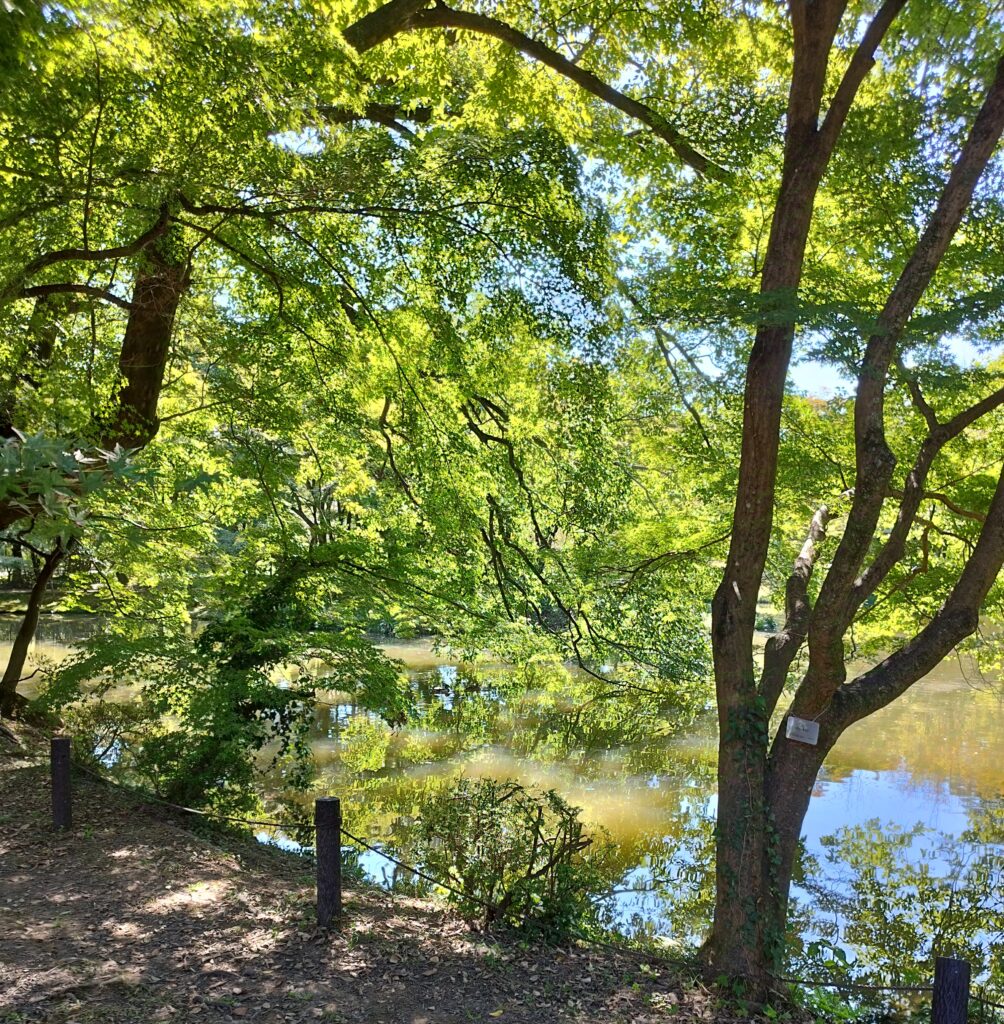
400,218
315,278
875,172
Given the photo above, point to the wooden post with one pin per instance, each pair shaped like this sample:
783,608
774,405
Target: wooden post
328,823
59,761
951,991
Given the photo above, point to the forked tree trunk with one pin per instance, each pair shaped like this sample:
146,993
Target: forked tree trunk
765,793
764,788
741,945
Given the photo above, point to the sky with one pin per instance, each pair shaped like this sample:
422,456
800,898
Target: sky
821,380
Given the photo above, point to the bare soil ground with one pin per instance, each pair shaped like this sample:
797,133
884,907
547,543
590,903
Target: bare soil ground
134,917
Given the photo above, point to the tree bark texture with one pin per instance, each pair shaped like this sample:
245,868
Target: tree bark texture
160,284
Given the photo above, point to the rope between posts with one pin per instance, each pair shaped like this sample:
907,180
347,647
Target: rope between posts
854,986
412,868
857,987
217,816
983,1001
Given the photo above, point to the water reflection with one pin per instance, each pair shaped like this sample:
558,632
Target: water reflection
934,759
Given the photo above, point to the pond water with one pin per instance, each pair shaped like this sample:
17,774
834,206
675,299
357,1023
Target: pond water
934,758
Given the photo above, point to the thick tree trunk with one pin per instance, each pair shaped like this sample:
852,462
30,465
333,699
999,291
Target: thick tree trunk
160,284
26,633
791,777
759,910
739,946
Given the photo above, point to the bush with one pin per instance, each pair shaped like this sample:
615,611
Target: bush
103,730
517,858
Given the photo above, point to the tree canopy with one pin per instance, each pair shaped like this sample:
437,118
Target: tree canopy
322,321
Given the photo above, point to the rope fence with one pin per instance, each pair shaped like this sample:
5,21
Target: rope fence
951,990
852,986
281,825
985,1004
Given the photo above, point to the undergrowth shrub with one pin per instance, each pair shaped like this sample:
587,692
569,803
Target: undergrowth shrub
517,857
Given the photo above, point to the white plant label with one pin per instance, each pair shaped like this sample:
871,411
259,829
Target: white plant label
802,730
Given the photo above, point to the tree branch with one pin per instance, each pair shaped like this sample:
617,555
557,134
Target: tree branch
38,290
782,648
411,15
949,503
115,252
391,115
874,461
378,26
913,495
663,340
861,63
955,620
917,396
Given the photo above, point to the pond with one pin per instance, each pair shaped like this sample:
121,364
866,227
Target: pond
918,790
919,784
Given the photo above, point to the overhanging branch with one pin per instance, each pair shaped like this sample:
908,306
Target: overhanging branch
411,15
390,115
90,255
103,294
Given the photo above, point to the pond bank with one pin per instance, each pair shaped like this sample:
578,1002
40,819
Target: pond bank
133,916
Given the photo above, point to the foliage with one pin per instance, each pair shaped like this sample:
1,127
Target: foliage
517,857
366,741
458,353
104,731
53,481
214,702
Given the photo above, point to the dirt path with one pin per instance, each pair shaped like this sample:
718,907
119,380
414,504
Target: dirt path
132,917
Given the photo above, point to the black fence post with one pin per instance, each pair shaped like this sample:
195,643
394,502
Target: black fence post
951,991
328,823
59,762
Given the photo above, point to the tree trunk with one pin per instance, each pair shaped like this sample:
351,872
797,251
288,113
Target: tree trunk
737,944
791,777
161,280
764,796
764,793
750,923
26,633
